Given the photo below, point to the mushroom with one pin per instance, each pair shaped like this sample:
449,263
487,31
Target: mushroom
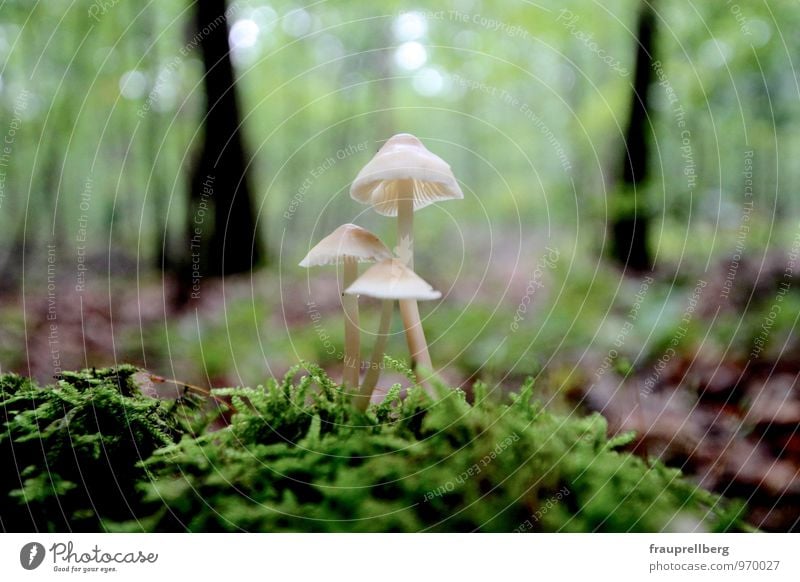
388,280
348,245
400,179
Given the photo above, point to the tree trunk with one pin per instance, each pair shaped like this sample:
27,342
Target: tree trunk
630,220
222,229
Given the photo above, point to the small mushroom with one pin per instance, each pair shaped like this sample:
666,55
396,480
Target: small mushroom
402,178
348,245
388,280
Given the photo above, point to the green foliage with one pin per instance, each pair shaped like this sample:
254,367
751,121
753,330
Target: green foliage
69,452
297,458
314,97
93,453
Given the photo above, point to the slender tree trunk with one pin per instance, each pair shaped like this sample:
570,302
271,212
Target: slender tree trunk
630,222
221,223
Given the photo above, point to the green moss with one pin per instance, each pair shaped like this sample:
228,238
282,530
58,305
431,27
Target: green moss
69,452
297,457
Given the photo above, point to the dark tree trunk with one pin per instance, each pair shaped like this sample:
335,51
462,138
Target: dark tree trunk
629,229
222,229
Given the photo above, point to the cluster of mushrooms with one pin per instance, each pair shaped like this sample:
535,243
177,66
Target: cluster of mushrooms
401,178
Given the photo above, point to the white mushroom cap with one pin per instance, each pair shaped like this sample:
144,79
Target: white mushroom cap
391,279
346,242
404,167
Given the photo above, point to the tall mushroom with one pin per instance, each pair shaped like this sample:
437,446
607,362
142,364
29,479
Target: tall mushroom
400,179
348,245
388,280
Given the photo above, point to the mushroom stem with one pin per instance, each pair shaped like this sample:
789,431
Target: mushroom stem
409,309
405,229
376,360
415,336
352,349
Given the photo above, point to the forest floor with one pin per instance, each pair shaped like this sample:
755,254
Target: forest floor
715,392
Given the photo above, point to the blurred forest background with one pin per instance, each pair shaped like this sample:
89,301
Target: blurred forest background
629,233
